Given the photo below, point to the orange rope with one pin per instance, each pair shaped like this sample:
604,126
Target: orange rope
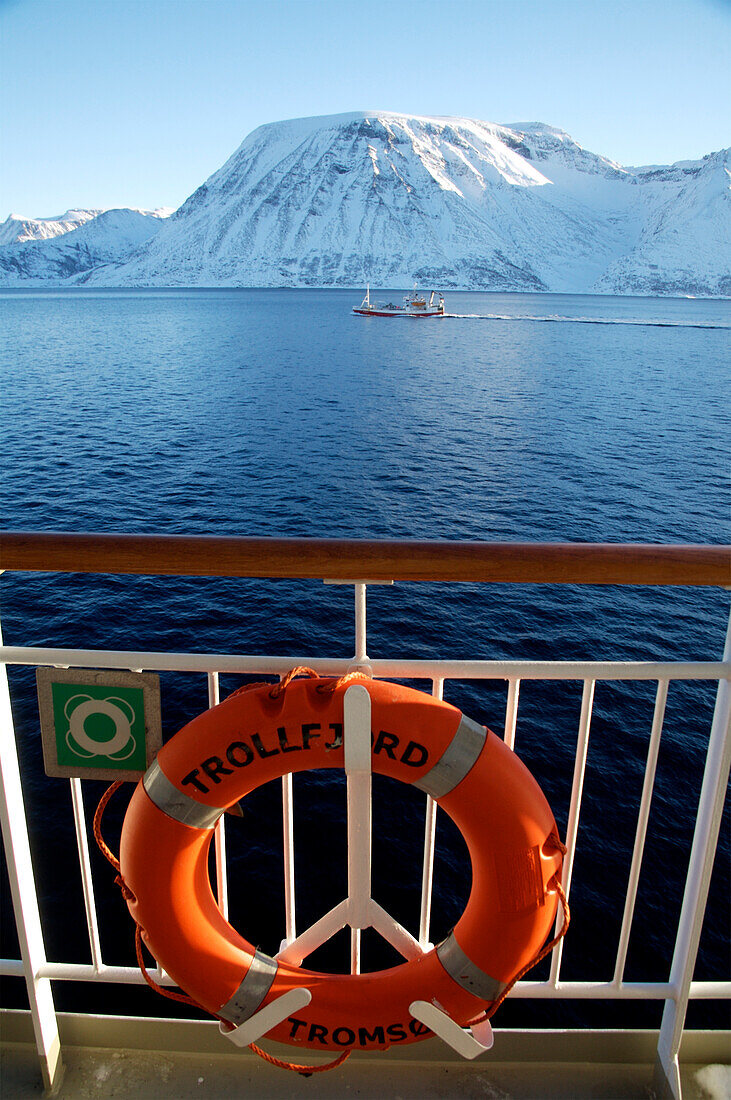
300,670
306,1071
98,814
341,680
331,684
151,981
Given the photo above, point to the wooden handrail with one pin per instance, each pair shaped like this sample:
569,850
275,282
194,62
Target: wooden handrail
366,559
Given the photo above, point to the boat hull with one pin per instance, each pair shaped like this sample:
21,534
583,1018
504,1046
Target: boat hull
399,312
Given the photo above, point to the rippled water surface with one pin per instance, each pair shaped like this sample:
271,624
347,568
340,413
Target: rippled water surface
520,417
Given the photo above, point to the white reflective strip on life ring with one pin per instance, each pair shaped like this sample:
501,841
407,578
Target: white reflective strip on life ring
466,973
456,760
175,804
252,991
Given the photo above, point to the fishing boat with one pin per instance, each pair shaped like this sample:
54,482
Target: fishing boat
152,1055
414,305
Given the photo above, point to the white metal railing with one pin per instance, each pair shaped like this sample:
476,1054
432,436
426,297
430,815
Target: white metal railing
676,992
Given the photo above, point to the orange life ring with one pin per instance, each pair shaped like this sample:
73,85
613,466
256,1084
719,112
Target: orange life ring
258,735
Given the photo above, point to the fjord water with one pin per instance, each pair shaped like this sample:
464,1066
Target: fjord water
520,417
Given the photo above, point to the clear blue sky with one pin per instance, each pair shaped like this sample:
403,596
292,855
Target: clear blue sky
136,102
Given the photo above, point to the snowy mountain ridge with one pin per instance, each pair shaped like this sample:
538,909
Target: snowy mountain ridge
16,228
105,237
387,198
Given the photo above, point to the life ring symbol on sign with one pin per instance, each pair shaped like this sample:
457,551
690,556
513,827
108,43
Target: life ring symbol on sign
262,734
116,710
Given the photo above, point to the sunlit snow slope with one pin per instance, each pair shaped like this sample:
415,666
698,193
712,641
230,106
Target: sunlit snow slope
685,244
16,228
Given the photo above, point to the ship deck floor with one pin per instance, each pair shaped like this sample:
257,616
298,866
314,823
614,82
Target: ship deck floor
181,1060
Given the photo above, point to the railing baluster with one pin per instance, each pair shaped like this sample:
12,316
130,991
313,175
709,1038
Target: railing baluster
219,835
361,652
356,782
25,897
582,745
87,882
695,896
641,831
357,735
511,711
430,832
290,923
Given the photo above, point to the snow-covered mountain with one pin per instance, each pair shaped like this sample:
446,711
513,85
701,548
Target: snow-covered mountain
684,246
447,202
105,238
390,199
16,229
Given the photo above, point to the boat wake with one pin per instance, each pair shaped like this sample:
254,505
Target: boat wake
554,319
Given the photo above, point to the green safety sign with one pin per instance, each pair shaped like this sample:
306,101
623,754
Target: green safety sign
98,724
